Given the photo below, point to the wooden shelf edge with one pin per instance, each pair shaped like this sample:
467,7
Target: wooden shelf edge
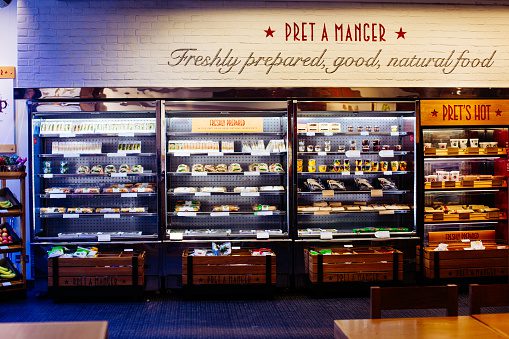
12,175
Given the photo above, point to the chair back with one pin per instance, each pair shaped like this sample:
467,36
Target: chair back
418,297
487,296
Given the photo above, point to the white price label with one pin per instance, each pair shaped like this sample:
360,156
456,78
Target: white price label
126,134
345,173
58,196
128,250
387,172
112,216
176,236
260,153
118,154
7,283
359,173
382,234
364,133
322,154
235,247
353,154
386,212
348,246
47,176
215,154
70,216
465,240
310,134
252,173
219,214
264,213
326,235
181,154
395,134
186,214
202,194
328,134
250,194
4,211
262,235
71,155
198,174
4,247
128,195
67,135
103,237
118,175
386,153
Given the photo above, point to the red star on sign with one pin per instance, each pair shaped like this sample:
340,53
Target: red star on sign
499,112
434,114
400,33
269,32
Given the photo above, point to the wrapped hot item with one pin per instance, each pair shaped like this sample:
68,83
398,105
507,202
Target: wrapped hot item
83,170
221,168
214,189
110,169
124,168
387,184
363,184
226,208
260,207
234,168
198,168
336,185
97,169
187,206
314,185
242,189
277,168
182,168
258,167
185,190
49,210
65,190
209,168
87,190
137,169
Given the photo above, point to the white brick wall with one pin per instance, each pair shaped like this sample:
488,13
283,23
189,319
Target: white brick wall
72,43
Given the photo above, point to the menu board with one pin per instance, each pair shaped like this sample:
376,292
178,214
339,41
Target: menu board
227,125
464,112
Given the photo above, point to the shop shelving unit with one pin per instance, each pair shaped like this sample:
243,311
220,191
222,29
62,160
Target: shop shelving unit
110,214
17,248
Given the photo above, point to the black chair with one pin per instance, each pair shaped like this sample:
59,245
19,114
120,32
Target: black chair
418,297
487,296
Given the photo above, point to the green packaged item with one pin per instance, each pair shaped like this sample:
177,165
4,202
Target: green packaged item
313,252
56,251
326,252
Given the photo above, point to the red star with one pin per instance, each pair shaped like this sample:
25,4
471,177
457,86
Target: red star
401,33
434,113
269,32
499,112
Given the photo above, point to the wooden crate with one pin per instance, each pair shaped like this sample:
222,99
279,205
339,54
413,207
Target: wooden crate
460,263
239,268
354,265
105,270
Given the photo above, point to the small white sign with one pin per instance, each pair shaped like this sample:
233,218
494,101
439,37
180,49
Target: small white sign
328,134
128,250
7,283
219,214
58,196
176,236
359,173
4,211
262,235
250,194
364,133
353,154
198,174
215,154
310,134
465,240
235,247
118,175
128,195
386,212
118,154
322,154
260,153
112,216
181,154
186,214
126,134
382,234
386,153
264,213
103,237
387,172
70,216
47,176
72,155
348,245
345,173
202,194
4,247
326,235
67,135
252,173
395,134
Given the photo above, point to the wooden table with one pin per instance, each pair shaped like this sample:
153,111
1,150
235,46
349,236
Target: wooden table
437,327
497,321
55,330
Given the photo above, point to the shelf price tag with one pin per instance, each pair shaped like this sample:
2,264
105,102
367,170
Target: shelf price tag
382,234
103,237
67,135
112,216
310,134
327,193
181,154
359,173
250,194
345,173
264,213
126,134
118,175
252,173
186,214
215,154
262,235
322,154
128,195
7,283
47,176
219,214
128,250
71,155
58,196
348,246
326,235
176,236
117,154
198,174
4,247
260,153
70,216
364,133
395,134
328,134
387,172
386,153
465,240
377,193
202,194
386,212
353,154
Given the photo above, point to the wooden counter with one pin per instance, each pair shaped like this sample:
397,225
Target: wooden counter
498,322
54,330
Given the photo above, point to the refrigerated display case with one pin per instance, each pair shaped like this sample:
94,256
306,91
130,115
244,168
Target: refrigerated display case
94,171
464,187
355,170
227,170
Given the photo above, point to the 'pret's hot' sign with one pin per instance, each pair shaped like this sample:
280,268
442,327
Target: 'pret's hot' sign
227,125
464,112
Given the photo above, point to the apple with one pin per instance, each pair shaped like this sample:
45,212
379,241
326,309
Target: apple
5,242
9,238
5,234
4,229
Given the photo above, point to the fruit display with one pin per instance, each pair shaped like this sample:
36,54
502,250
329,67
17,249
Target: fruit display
13,163
5,204
7,235
6,273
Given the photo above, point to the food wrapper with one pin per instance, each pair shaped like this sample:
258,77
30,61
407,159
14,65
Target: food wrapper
222,249
57,251
441,247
